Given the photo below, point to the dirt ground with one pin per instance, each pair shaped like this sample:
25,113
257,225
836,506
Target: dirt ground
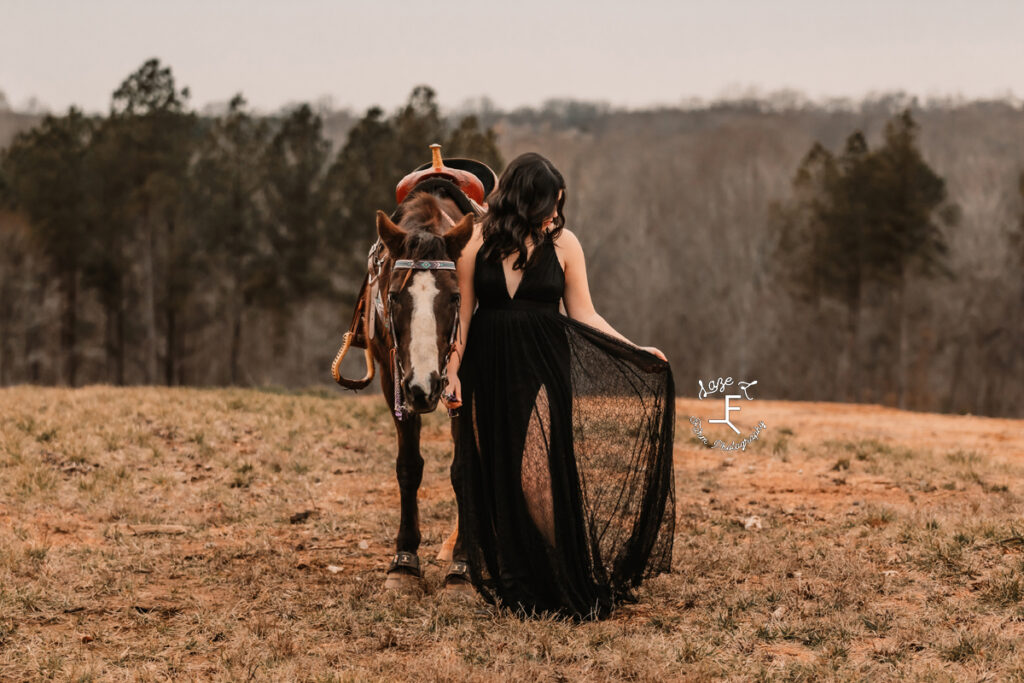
150,533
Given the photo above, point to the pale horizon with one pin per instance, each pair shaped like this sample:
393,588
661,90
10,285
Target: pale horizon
643,54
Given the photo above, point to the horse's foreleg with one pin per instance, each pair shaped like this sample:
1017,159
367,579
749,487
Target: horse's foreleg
405,573
457,574
409,468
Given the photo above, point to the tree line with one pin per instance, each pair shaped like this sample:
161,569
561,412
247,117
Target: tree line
170,221
857,254
866,253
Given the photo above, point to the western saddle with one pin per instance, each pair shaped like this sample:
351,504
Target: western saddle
466,182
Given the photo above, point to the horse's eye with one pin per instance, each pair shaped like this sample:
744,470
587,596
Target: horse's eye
456,298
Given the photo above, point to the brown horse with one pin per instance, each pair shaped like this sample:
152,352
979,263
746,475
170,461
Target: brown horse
414,324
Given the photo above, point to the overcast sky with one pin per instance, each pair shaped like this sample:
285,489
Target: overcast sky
517,52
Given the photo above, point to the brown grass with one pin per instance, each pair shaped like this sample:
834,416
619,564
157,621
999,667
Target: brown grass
148,534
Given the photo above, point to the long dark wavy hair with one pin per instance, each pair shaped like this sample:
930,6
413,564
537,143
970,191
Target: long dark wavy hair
526,194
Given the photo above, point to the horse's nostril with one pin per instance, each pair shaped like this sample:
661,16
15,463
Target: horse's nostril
417,394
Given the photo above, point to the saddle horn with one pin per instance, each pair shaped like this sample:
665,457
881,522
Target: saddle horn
466,181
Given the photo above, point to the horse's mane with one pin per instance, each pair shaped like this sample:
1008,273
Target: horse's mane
423,221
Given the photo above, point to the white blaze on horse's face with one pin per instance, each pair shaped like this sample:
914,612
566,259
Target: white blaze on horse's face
423,356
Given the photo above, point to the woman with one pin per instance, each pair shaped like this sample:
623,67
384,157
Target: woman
563,443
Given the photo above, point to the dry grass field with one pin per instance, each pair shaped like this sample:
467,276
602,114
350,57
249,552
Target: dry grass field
228,534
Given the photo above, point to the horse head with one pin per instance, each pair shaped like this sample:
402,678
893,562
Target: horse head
422,295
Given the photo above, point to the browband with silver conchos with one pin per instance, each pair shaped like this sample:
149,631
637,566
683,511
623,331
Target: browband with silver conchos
417,264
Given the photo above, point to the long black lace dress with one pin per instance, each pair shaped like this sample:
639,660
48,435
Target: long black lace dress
563,451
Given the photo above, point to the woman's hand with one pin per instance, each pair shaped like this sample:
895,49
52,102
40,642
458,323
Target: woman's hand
453,390
655,351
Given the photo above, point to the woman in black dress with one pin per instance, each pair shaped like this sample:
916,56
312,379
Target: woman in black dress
563,441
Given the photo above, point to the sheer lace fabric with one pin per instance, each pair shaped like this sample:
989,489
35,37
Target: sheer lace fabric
563,452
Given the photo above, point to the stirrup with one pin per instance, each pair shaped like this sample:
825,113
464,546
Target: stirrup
354,384
405,560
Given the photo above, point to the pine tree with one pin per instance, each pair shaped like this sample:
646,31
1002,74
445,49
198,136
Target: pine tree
295,268
227,184
156,135
867,216
469,141
45,171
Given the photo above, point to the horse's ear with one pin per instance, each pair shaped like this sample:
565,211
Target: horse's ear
458,236
392,235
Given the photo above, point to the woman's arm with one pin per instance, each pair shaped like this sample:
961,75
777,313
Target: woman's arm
578,303
464,269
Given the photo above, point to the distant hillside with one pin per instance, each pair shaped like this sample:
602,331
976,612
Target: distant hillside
674,208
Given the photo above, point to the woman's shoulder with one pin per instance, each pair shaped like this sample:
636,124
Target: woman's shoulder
567,246
566,236
567,241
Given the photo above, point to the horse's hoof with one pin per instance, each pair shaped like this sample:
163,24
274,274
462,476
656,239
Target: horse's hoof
403,583
456,579
404,573
459,587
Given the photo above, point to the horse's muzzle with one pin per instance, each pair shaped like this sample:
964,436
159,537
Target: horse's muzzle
419,400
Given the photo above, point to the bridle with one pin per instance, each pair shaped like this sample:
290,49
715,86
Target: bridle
396,365
411,265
